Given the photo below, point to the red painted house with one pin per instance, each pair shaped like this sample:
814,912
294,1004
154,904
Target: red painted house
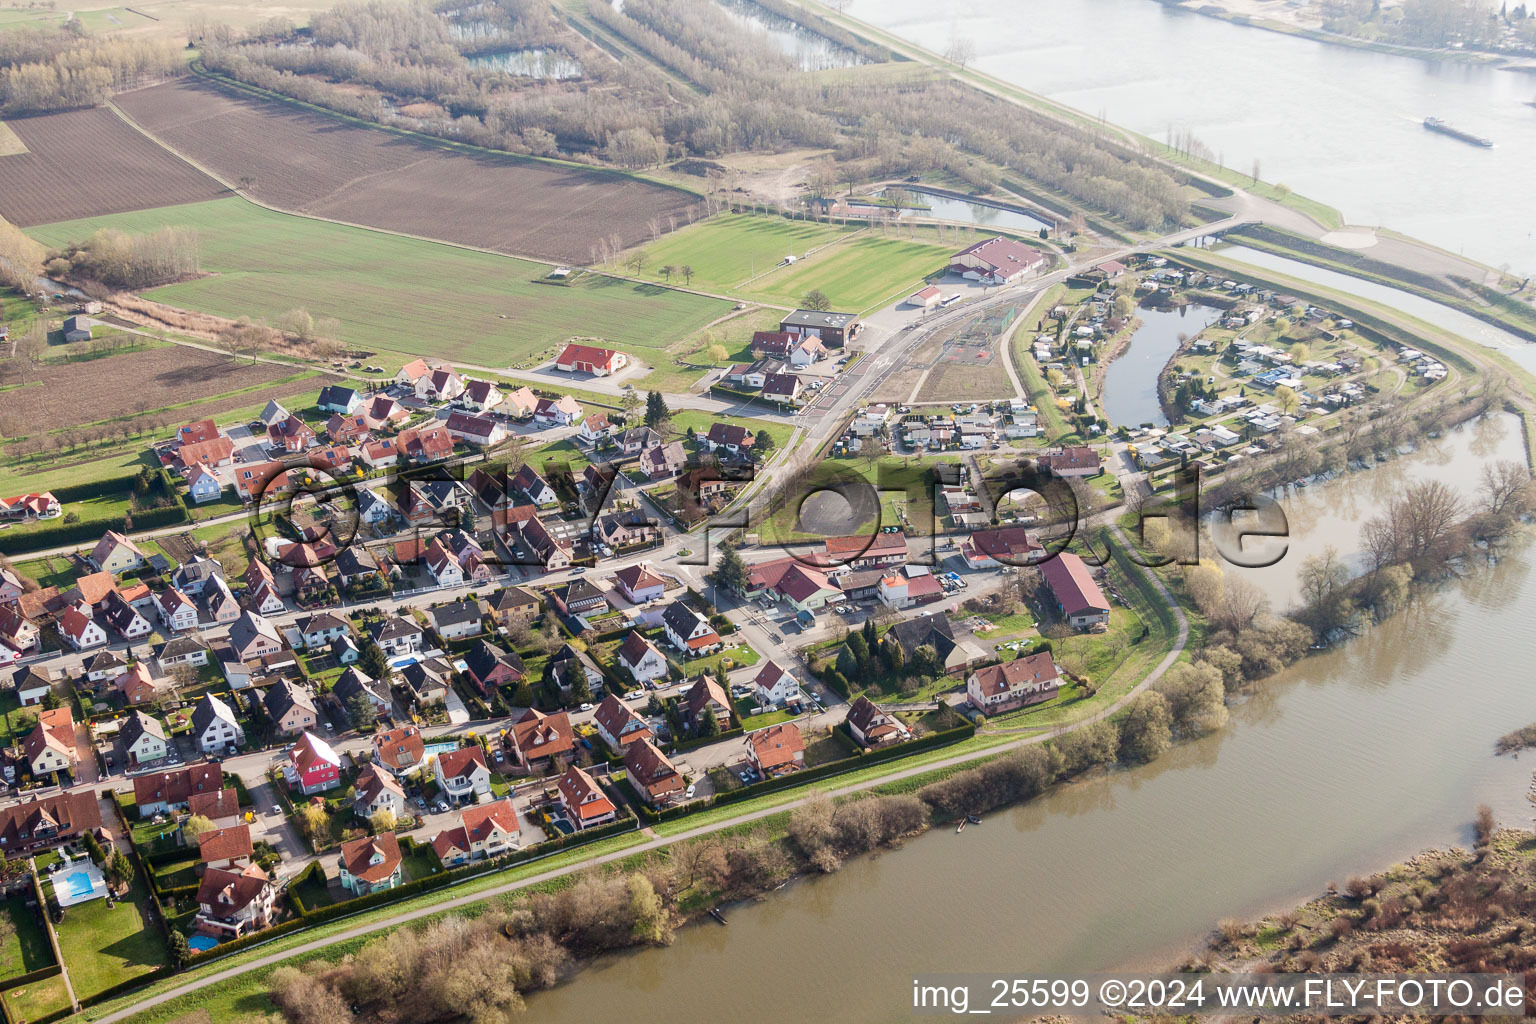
314,766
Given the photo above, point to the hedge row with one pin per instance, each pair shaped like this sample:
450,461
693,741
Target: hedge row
800,778
96,488
30,976
163,971
62,534
699,741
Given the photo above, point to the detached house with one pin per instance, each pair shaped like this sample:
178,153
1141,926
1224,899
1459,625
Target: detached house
313,766
655,778
562,411
217,605
776,750
480,395
141,740
689,631
80,630
639,584
176,610
253,636
618,725
1078,598
233,903
316,632
377,790
396,635
163,792
50,746
457,620
116,554
731,438
401,751
515,605
261,594
705,697
774,685
642,658
583,801
338,399
534,486
483,833
480,430
871,727
124,618
353,683
518,404
290,707
48,821
462,775
371,864
137,685
215,728
568,666
663,460
1032,679
540,743
490,667
228,848
595,428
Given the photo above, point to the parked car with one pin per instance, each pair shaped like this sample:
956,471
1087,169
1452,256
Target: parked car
688,793
421,803
585,707
277,810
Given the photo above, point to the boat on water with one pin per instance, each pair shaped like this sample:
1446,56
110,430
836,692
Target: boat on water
974,819
1434,124
715,913
960,827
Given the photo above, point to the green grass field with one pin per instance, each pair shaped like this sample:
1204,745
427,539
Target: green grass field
858,269
103,948
28,949
38,999
402,294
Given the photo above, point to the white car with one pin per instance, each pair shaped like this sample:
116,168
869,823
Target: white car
688,793
585,707
634,695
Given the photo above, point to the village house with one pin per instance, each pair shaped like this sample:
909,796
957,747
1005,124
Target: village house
639,584
534,487
18,634
689,631
782,387
457,620
515,605
41,505
583,801
955,656
663,460
595,428
480,395
439,385
401,750
292,435
541,743
568,667
380,454
484,833
377,790
177,611
80,630
347,430
652,774
637,439
1029,680
806,351
203,486
261,594
879,551
519,404
32,684
618,726
232,904
801,586
398,636
116,554
600,362
422,445
163,792
490,667
730,437
220,806
124,619
1075,461
909,588
354,683
44,822
105,665
253,636
290,707
578,597
313,766
51,745
705,697
562,411
463,775
642,658
138,685
774,685
371,864
228,848
215,729
339,399
871,727
141,740
990,549
479,430
776,750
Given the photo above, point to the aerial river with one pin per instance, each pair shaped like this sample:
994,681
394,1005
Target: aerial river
1349,760
1341,125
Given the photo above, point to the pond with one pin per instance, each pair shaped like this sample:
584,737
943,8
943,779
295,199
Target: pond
1129,398
547,65
813,52
979,213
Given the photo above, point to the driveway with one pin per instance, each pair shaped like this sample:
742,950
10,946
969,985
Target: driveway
276,830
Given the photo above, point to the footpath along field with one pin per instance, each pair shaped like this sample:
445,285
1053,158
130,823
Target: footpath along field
403,294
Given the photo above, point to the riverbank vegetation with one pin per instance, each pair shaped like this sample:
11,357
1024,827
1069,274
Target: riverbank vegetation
688,84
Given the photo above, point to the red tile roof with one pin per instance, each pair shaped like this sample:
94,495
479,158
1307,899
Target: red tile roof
1071,581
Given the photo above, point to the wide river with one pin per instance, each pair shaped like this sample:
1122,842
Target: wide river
1338,124
1348,761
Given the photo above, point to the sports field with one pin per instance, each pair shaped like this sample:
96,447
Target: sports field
403,294
857,268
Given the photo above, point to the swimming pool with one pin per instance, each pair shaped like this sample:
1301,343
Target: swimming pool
202,943
439,749
78,885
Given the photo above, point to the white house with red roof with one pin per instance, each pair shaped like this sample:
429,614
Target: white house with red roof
802,587
463,775
904,589
562,411
594,428
487,831
371,864
689,631
618,725
926,297
871,727
599,362
1032,679
176,610
80,630
639,584
1009,545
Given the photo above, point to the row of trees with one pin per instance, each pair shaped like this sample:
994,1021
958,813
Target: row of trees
43,70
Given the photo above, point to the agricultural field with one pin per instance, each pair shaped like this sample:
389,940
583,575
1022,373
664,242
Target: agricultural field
313,163
403,294
727,249
859,274
85,163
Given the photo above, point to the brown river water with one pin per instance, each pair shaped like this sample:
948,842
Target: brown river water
1351,760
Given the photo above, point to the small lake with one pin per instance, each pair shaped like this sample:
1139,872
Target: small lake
982,214
813,52
1129,398
552,65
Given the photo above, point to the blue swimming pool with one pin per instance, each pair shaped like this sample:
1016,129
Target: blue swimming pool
439,749
78,885
202,943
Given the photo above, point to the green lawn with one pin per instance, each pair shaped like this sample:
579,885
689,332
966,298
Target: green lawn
40,998
15,721
28,949
103,948
725,250
858,274
402,294
702,421
740,654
